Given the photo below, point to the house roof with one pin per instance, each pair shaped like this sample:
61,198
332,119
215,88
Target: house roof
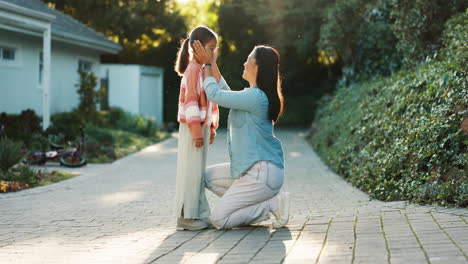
68,29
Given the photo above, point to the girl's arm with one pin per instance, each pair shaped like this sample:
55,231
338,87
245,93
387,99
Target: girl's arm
191,107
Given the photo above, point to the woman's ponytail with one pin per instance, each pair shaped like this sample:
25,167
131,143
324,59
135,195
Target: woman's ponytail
183,57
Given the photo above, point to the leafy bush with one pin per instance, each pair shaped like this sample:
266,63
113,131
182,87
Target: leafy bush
339,33
418,25
21,174
10,154
106,145
359,33
454,38
21,127
66,125
374,38
137,124
115,114
400,137
117,118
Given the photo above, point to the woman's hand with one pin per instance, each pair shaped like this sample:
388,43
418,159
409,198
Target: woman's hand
198,142
214,58
204,55
212,138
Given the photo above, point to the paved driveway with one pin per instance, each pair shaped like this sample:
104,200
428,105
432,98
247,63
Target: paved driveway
123,213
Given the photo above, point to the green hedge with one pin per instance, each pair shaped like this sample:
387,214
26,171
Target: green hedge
20,127
400,137
107,145
68,124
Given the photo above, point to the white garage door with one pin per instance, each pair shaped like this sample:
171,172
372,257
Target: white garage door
150,96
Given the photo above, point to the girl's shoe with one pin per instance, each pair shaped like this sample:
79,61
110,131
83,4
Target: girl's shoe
190,224
282,215
207,220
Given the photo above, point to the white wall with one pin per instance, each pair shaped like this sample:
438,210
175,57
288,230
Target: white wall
136,89
124,81
151,92
19,85
64,75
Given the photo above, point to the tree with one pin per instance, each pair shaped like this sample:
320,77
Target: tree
88,95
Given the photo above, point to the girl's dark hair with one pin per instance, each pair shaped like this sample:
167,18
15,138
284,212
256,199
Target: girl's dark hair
269,81
201,33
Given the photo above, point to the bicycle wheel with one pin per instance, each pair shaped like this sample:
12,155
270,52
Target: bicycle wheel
73,160
35,158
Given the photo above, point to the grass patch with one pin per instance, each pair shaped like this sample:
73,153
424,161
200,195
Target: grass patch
53,177
34,179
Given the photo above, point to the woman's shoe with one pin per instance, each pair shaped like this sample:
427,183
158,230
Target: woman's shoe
190,224
282,215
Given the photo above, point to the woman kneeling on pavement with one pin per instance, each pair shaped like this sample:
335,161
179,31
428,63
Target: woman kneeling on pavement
249,186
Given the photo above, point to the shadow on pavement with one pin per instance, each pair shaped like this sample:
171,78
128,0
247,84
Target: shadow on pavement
240,245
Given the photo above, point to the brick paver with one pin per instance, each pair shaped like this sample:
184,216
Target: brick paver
123,213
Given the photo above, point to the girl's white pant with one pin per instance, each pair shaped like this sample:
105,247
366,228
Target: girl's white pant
246,200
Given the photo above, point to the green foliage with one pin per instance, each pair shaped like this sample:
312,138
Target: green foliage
109,137
137,124
88,95
418,25
23,174
38,142
375,53
107,145
191,11
400,137
240,32
66,125
454,38
21,127
340,32
10,154
359,33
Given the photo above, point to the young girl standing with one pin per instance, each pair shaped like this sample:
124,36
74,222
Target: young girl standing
198,120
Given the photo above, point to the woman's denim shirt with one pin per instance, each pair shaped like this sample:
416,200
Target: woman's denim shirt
250,132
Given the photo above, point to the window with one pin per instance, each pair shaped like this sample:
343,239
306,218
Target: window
7,53
10,55
86,66
41,66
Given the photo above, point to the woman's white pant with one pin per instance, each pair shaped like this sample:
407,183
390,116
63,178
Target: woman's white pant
246,200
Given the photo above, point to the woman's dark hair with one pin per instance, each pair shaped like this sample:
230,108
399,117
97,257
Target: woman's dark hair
268,79
201,33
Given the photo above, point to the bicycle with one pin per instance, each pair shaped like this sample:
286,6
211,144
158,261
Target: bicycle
68,157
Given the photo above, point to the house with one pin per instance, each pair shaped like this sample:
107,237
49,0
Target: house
41,50
137,89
